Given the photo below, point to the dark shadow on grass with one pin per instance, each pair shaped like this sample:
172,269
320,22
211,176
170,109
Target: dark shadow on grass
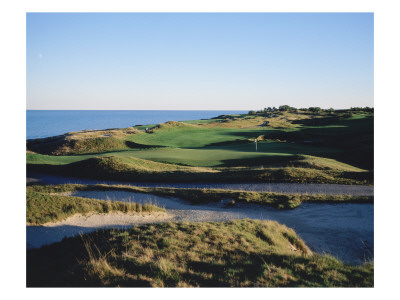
134,145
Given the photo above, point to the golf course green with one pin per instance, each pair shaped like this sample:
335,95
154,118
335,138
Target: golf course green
284,146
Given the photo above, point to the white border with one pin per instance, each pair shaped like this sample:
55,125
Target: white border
12,26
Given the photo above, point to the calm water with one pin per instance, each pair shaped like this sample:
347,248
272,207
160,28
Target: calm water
45,123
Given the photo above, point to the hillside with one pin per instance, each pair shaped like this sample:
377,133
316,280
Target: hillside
241,253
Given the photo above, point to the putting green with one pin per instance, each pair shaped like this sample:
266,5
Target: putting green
195,136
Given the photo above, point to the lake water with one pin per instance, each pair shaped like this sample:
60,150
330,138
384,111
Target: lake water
45,123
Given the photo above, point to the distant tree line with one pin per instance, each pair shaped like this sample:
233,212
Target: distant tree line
288,108
366,109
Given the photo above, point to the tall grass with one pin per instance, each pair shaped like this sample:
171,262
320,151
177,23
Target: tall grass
42,207
197,196
240,253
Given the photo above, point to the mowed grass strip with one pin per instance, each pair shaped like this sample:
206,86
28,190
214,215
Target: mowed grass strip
240,253
43,207
198,196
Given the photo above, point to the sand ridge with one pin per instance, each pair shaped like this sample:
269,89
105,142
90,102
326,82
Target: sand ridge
111,219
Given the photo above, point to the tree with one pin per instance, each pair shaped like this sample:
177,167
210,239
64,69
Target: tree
314,109
286,108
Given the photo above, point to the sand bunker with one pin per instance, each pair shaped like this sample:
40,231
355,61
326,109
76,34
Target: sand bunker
111,219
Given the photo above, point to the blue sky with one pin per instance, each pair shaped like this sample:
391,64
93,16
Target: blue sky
199,61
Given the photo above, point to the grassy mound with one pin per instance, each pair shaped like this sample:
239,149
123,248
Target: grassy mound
144,165
130,167
43,207
87,141
134,169
321,163
236,253
171,124
238,121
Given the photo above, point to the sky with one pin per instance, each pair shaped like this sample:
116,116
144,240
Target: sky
199,61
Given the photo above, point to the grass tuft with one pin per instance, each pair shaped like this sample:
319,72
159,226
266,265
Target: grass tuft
209,254
43,207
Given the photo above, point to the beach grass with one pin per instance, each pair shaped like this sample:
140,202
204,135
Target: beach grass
240,253
43,207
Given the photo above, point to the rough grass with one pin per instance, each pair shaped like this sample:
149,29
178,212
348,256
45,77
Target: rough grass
269,120
87,141
240,253
133,169
320,163
197,196
235,122
43,207
153,166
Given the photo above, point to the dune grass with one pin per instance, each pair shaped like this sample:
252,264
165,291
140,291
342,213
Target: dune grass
132,169
198,196
240,253
43,207
82,142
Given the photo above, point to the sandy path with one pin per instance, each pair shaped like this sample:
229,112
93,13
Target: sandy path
291,188
111,219
342,230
